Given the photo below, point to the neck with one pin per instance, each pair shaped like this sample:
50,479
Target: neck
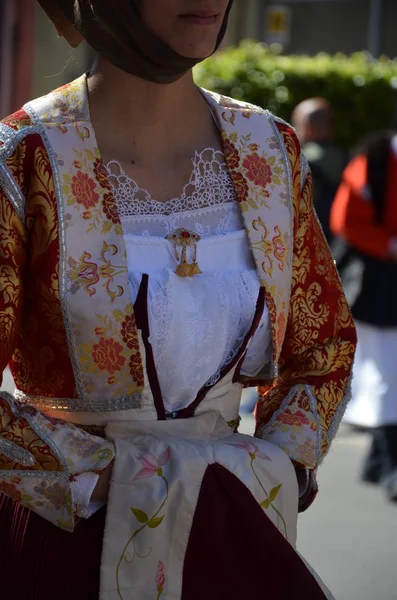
163,110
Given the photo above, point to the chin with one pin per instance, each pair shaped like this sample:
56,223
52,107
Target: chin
196,50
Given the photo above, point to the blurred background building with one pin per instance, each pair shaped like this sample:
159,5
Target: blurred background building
34,60
311,26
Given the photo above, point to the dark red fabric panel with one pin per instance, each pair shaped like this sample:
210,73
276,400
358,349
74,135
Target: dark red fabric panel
236,552
39,561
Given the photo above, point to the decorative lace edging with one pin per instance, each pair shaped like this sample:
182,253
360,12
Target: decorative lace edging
187,201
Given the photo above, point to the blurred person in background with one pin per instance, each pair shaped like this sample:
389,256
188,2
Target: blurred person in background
314,123
150,270
364,214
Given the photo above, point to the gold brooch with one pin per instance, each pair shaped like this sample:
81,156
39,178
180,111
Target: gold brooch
182,239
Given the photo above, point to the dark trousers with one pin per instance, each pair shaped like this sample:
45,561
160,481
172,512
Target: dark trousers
382,458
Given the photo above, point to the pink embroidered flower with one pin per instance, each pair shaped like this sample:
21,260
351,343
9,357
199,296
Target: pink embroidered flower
258,170
152,465
83,189
160,578
252,450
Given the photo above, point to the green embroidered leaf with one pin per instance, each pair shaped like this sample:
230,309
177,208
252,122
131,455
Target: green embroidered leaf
274,492
153,523
140,515
265,503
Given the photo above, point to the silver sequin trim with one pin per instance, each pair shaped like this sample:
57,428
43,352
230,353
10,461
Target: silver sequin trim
340,411
12,192
16,453
33,474
11,139
42,435
78,405
319,433
305,169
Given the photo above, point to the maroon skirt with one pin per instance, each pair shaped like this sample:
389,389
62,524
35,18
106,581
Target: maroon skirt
234,552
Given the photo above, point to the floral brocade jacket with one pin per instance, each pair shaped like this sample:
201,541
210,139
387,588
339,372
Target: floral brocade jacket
67,324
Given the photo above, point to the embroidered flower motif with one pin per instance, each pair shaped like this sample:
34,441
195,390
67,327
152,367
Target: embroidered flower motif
83,447
101,174
232,156
87,215
110,209
252,450
54,493
240,185
295,419
129,333
11,491
107,355
160,578
258,170
83,189
152,465
306,452
136,370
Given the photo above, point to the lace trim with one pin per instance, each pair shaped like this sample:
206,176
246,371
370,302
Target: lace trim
210,184
211,221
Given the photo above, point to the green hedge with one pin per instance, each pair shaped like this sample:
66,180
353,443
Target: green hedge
362,90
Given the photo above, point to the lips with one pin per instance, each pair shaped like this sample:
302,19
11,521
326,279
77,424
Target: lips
200,17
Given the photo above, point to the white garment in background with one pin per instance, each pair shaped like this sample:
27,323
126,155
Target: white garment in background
374,401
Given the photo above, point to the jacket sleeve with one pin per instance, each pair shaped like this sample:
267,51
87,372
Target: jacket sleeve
353,214
302,410
49,466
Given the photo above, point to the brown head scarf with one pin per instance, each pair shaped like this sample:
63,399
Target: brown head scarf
117,31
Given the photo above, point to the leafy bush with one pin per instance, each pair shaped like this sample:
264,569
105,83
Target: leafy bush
362,90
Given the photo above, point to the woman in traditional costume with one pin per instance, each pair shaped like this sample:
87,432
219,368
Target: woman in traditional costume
159,252
364,215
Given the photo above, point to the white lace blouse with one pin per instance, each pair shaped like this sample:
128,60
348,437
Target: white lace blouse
198,323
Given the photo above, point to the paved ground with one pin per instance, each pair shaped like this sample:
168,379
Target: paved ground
349,535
